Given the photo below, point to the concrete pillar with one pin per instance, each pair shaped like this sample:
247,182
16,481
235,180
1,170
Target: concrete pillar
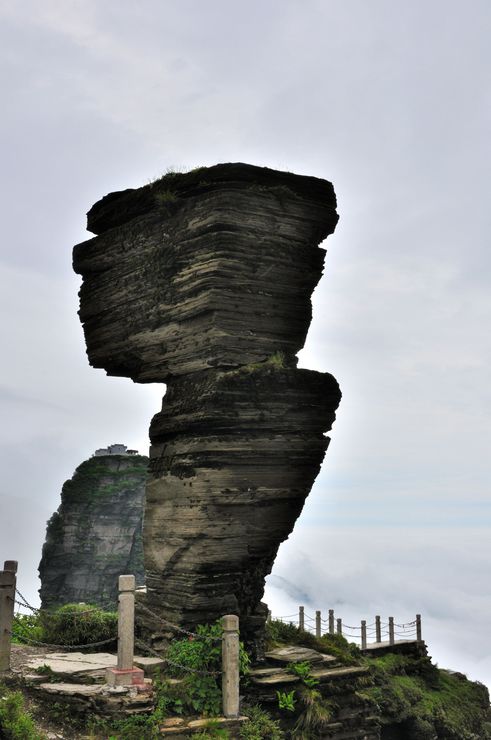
7,604
318,628
339,626
418,627
363,634
301,618
125,674
378,629
230,665
126,622
391,630
331,621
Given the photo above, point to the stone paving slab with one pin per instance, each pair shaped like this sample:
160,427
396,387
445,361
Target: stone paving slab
92,664
71,689
72,663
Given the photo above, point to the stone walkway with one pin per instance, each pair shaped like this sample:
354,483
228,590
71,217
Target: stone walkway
77,680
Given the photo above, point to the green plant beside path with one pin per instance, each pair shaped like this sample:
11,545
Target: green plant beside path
16,723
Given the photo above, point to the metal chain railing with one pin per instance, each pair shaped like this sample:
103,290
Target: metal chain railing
38,643
376,630
175,627
75,612
173,663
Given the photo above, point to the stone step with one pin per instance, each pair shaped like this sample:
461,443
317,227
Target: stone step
279,676
296,654
180,727
333,674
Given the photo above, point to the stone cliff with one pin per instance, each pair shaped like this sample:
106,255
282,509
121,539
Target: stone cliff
96,533
203,281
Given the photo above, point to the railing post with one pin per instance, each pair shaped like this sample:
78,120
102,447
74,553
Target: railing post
230,665
301,618
418,627
125,674
363,634
318,631
339,626
7,603
378,629
126,622
331,621
391,630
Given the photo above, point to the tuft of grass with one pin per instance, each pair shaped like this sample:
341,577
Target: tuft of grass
317,712
261,725
16,723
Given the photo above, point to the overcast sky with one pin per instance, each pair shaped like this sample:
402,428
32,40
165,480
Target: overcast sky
391,102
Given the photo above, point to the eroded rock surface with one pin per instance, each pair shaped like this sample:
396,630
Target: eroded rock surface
203,281
96,533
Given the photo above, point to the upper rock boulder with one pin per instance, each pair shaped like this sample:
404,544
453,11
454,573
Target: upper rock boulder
210,269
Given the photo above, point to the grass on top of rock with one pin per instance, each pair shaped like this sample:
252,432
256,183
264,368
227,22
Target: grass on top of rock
427,702
280,633
276,361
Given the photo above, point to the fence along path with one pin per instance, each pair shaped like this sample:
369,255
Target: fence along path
368,635
13,604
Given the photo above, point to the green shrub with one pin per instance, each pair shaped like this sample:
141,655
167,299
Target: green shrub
192,659
78,624
15,722
26,627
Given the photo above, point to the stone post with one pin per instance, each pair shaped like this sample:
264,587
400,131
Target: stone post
230,665
363,634
301,618
126,622
318,629
418,628
391,631
269,617
125,674
331,621
378,629
7,603
339,626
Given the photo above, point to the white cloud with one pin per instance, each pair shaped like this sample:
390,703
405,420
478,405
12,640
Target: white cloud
441,573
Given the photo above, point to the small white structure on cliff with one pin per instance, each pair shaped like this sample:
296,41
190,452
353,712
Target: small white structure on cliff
116,449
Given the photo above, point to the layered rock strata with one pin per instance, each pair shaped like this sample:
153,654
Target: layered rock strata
96,533
203,281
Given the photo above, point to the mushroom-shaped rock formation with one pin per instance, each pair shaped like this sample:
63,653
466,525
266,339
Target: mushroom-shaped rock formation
204,281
